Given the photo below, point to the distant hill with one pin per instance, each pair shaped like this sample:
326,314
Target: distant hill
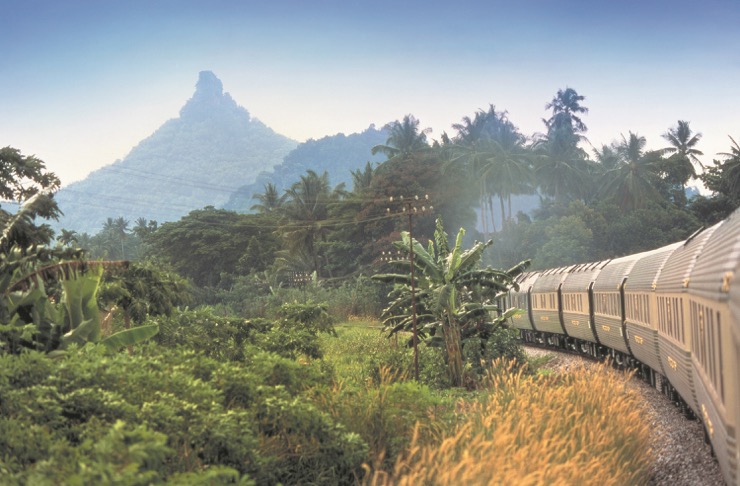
338,155
198,159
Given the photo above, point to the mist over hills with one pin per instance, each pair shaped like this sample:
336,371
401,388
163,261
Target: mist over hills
198,159
338,155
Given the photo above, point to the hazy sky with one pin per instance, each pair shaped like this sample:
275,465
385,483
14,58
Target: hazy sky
82,82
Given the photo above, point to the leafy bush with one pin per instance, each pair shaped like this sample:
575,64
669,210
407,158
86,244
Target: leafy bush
168,414
383,414
503,342
258,295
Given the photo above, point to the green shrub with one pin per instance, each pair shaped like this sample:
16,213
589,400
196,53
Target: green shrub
161,414
304,445
22,443
383,414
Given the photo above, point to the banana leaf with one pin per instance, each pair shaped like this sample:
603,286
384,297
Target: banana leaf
129,337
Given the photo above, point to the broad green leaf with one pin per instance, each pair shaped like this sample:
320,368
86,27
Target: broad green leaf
130,337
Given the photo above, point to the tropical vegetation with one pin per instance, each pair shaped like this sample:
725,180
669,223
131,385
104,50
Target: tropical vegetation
329,334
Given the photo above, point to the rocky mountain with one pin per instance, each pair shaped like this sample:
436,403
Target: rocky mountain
338,155
198,159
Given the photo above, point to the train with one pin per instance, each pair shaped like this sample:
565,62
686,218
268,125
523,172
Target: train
672,313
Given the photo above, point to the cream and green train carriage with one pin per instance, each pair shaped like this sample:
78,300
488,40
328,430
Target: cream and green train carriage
544,300
732,468
608,309
520,299
641,308
576,296
713,348
674,333
675,310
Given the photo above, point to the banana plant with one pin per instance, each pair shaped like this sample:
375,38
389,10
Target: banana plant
48,295
455,298
51,323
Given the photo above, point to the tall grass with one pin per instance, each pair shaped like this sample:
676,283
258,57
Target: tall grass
581,428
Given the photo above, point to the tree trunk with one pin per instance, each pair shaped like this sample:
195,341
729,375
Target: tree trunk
453,347
491,210
503,210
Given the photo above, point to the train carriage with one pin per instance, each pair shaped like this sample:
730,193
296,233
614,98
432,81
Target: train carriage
608,308
676,310
545,300
674,336
733,467
576,300
520,299
641,306
714,362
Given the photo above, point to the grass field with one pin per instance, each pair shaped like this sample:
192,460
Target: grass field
521,427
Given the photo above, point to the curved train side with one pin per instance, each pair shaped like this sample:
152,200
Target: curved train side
673,313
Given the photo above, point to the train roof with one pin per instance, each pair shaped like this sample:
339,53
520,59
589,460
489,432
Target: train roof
613,274
644,274
715,265
549,280
580,277
677,269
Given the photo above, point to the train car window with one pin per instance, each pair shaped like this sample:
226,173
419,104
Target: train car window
719,360
706,333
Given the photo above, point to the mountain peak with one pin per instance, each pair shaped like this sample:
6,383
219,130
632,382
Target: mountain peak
209,96
208,85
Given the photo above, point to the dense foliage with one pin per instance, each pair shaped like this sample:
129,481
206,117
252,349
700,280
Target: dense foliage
244,378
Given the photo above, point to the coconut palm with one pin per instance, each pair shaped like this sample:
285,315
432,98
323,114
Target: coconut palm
731,167
306,211
361,179
566,106
492,151
67,237
269,201
404,139
116,231
679,167
633,182
560,166
683,142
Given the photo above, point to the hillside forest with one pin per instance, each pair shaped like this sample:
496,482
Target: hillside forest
292,342
594,204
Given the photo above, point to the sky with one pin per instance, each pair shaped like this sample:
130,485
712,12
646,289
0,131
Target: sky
83,81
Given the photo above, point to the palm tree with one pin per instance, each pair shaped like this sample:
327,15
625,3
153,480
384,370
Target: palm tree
404,139
361,179
67,237
560,166
679,167
731,167
566,106
632,182
144,228
115,231
269,201
683,142
492,152
607,156
307,211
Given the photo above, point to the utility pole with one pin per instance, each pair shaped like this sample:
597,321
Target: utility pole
410,207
